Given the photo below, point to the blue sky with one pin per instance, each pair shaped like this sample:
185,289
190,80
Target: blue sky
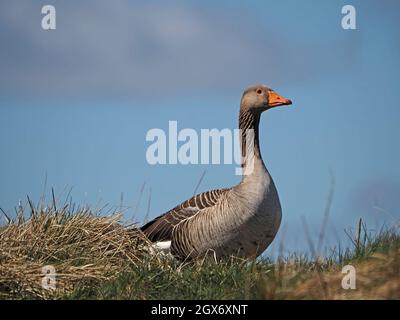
76,103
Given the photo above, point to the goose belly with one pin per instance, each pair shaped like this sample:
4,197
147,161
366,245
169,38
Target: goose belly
258,221
254,236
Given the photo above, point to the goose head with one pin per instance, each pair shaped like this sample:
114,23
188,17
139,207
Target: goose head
258,98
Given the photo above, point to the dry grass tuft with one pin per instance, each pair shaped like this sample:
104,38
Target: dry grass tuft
82,247
378,277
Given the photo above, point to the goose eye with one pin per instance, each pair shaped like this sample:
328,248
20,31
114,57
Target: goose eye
259,91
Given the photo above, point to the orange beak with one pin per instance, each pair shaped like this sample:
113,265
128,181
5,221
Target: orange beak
275,100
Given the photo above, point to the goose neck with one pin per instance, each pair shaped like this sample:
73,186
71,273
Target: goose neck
250,147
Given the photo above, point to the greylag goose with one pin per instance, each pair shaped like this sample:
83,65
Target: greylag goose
240,221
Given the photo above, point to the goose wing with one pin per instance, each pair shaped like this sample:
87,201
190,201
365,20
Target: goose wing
160,229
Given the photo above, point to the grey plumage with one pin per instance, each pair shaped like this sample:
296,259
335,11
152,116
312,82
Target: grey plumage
242,220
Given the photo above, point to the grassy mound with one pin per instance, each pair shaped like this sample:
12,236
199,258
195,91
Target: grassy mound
377,265
83,249
98,257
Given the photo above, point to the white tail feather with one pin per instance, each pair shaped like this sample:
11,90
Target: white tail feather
162,245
